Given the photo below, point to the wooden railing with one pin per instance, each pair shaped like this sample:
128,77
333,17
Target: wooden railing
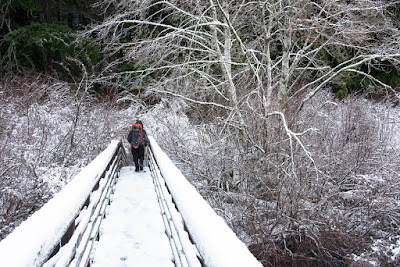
63,231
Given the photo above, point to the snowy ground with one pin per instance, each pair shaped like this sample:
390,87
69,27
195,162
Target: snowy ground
133,232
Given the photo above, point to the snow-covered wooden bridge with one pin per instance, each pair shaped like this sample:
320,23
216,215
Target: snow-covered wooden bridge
109,215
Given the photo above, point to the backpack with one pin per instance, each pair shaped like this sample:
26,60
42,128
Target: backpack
137,135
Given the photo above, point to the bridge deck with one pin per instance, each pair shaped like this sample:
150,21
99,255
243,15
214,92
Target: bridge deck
133,232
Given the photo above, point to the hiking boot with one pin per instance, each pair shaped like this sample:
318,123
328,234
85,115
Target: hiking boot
136,170
141,164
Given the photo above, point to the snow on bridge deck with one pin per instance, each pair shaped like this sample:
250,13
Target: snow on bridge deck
133,232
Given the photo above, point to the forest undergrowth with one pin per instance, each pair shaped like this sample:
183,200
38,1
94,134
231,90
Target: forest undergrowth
331,199
49,130
328,199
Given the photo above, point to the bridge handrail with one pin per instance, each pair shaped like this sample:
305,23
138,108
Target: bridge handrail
183,250
55,233
215,241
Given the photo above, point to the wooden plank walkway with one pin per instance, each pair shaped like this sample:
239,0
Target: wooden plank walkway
133,232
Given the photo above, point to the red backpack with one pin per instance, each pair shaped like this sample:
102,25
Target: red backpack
137,135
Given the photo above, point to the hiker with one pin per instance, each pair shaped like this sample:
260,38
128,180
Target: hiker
138,140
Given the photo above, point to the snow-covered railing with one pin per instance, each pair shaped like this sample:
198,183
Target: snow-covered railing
198,236
63,231
183,250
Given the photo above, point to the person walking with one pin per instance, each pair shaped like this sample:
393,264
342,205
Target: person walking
138,141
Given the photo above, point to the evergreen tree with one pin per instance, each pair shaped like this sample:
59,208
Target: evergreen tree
37,33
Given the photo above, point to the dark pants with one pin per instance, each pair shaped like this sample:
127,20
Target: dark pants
138,157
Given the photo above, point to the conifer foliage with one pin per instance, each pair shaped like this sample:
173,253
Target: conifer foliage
39,35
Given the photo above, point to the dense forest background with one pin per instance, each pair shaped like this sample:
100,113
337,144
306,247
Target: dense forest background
284,114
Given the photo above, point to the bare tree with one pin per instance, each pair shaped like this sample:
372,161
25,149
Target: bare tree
222,47
249,69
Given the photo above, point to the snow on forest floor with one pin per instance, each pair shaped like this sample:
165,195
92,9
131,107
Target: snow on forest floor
133,232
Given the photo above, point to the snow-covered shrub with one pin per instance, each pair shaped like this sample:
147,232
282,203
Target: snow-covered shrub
48,132
317,199
362,167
